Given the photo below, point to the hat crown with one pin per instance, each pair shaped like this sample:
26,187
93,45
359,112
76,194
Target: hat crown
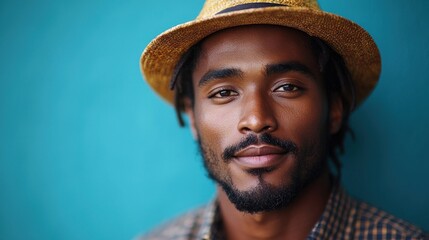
213,7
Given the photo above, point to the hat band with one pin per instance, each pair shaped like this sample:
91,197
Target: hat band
249,6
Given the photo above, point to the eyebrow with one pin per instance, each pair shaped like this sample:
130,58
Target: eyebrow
219,74
270,69
293,66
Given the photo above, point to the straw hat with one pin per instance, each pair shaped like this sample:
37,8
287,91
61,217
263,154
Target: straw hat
352,42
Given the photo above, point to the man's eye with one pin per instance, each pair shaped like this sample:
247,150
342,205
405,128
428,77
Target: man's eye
224,93
287,88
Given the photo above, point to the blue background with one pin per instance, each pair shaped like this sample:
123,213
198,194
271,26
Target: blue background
88,151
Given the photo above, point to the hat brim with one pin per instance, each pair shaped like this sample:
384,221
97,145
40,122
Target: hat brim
348,39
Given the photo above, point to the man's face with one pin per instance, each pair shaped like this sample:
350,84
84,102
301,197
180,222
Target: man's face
260,113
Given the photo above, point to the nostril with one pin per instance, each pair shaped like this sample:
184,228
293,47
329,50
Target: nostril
246,129
267,129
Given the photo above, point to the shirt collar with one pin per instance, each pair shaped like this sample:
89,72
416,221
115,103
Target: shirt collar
334,216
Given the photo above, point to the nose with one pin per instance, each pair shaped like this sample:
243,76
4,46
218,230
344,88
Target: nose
257,115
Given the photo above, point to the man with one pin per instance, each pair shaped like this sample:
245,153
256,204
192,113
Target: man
268,88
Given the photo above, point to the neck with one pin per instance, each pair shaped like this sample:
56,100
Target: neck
293,222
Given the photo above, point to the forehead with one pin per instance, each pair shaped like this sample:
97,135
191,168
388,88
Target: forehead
256,43
261,37
252,49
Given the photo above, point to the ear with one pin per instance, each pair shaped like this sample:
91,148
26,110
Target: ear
336,115
189,110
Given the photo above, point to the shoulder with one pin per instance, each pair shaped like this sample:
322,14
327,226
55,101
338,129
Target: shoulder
183,227
373,222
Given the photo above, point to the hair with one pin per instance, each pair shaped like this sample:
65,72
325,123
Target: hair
337,79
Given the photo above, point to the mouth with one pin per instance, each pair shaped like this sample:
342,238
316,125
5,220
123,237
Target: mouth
260,156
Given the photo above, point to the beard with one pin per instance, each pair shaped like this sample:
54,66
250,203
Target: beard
264,196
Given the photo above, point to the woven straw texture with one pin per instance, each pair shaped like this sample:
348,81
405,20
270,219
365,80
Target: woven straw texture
352,42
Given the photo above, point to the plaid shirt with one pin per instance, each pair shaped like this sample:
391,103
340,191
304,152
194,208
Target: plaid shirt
343,218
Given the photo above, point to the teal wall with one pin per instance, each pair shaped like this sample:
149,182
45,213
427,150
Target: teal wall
87,151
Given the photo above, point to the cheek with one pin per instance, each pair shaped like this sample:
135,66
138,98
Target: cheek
306,121
214,130
216,125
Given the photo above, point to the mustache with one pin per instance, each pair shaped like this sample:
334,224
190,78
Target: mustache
266,138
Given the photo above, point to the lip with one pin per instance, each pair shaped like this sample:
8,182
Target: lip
260,156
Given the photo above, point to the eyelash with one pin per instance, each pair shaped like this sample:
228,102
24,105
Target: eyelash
294,88
218,94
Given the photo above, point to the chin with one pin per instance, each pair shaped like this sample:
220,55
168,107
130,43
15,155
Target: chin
261,197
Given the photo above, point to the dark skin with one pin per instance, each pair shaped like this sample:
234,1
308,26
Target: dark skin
265,79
